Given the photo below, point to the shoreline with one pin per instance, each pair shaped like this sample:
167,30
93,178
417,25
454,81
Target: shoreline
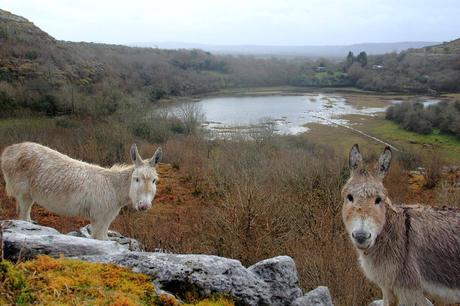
347,92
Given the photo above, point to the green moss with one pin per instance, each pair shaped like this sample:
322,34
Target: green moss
65,281
13,285
48,281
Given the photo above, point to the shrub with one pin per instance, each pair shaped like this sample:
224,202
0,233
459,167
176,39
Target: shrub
414,117
7,104
191,116
46,105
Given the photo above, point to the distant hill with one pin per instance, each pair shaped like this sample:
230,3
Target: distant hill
449,47
289,51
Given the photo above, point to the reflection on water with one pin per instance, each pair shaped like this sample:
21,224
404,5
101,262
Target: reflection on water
286,114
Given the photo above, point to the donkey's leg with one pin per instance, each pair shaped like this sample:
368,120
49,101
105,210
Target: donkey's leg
100,224
412,298
389,298
25,203
99,230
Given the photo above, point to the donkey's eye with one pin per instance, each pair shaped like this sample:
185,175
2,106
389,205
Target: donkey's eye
378,200
137,180
350,197
154,180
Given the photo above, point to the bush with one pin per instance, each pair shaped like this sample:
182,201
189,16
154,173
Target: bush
415,117
46,105
7,104
191,116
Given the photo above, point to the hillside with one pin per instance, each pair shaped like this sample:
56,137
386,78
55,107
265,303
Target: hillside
42,75
450,47
431,69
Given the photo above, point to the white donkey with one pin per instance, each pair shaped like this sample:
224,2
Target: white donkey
35,173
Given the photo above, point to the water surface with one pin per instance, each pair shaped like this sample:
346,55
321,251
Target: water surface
286,114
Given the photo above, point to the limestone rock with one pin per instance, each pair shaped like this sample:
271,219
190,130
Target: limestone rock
280,274
272,281
26,240
262,284
131,243
317,297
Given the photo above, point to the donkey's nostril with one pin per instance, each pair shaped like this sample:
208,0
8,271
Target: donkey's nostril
360,236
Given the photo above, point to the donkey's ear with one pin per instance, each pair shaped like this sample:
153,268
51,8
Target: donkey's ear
384,162
156,157
355,159
135,157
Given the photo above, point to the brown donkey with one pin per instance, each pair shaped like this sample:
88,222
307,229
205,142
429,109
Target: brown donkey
406,250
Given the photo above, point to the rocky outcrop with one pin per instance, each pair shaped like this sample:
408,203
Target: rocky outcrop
317,297
206,275
272,281
26,240
280,274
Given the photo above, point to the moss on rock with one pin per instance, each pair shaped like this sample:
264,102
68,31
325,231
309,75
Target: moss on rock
49,281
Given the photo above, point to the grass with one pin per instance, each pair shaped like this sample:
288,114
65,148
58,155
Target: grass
338,138
48,281
448,145
378,126
341,139
31,121
368,100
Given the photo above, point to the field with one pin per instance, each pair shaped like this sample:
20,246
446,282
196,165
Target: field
447,146
248,200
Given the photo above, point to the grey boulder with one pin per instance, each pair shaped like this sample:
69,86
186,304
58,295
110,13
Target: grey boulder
26,240
280,274
317,297
206,274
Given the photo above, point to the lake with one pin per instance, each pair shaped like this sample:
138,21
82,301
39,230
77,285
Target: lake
286,114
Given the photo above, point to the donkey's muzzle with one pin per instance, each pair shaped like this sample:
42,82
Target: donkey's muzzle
361,236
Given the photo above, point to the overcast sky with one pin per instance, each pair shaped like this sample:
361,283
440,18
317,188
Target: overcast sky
255,22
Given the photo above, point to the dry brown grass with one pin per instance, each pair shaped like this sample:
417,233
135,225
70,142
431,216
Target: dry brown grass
244,200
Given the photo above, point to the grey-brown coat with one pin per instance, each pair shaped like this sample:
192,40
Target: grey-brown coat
408,251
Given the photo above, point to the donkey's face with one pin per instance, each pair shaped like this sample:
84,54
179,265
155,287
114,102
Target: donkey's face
143,180
364,198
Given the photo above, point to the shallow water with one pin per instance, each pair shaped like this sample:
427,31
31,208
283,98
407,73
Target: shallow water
285,114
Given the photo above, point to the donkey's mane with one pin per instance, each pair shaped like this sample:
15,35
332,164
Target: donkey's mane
121,167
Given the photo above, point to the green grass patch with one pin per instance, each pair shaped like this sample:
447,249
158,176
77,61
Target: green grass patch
449,145
341,139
